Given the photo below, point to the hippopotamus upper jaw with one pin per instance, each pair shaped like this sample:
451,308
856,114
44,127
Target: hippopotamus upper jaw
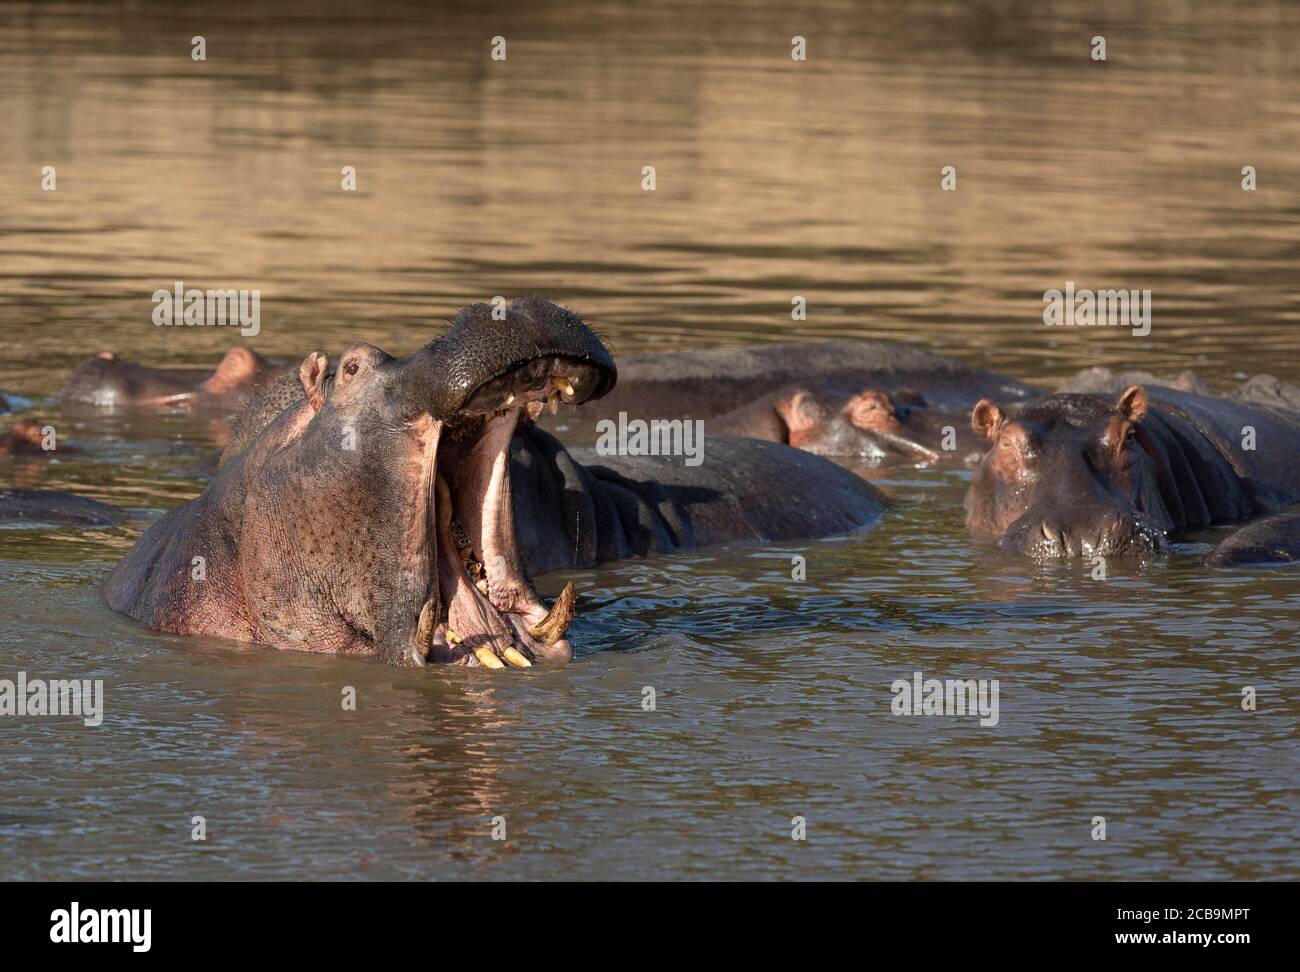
482,356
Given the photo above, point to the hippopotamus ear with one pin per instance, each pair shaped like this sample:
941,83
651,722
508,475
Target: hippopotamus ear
1132,403
801,414
987,419
872,411
312,376
238,367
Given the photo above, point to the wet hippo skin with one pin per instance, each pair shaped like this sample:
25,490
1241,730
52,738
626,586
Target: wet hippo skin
1071,475
1272,540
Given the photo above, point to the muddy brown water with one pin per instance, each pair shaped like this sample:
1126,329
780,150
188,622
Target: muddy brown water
775,179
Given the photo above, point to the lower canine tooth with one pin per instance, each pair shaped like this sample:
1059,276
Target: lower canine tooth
454,638
486,658
551,628
562,384
428,621
517,658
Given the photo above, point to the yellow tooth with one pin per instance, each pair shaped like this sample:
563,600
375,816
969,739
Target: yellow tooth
486,658
466,553
424,632
551,628
474,568
553,404
453,638
562,383
510,399
517,658
482,585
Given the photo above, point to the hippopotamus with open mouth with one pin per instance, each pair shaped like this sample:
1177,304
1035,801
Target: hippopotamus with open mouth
106,381
1072,475
396,510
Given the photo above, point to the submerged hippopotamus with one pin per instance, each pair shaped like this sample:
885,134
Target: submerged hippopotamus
834,420
396,507
1272,540
1071,475
54,506
28,437
107,381
708,382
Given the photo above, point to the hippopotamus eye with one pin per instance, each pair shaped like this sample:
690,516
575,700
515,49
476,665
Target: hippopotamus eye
351,367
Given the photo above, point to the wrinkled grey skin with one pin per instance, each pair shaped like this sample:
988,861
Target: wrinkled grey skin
52,506
1082,475
310,545
1272,540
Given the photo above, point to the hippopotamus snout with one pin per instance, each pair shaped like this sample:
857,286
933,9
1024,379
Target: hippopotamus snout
1105,529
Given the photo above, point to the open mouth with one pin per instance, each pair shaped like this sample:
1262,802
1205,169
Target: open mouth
482,608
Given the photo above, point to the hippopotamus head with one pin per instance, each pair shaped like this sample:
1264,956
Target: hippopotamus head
377,515
25,438
870,423
1067,476
107,381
